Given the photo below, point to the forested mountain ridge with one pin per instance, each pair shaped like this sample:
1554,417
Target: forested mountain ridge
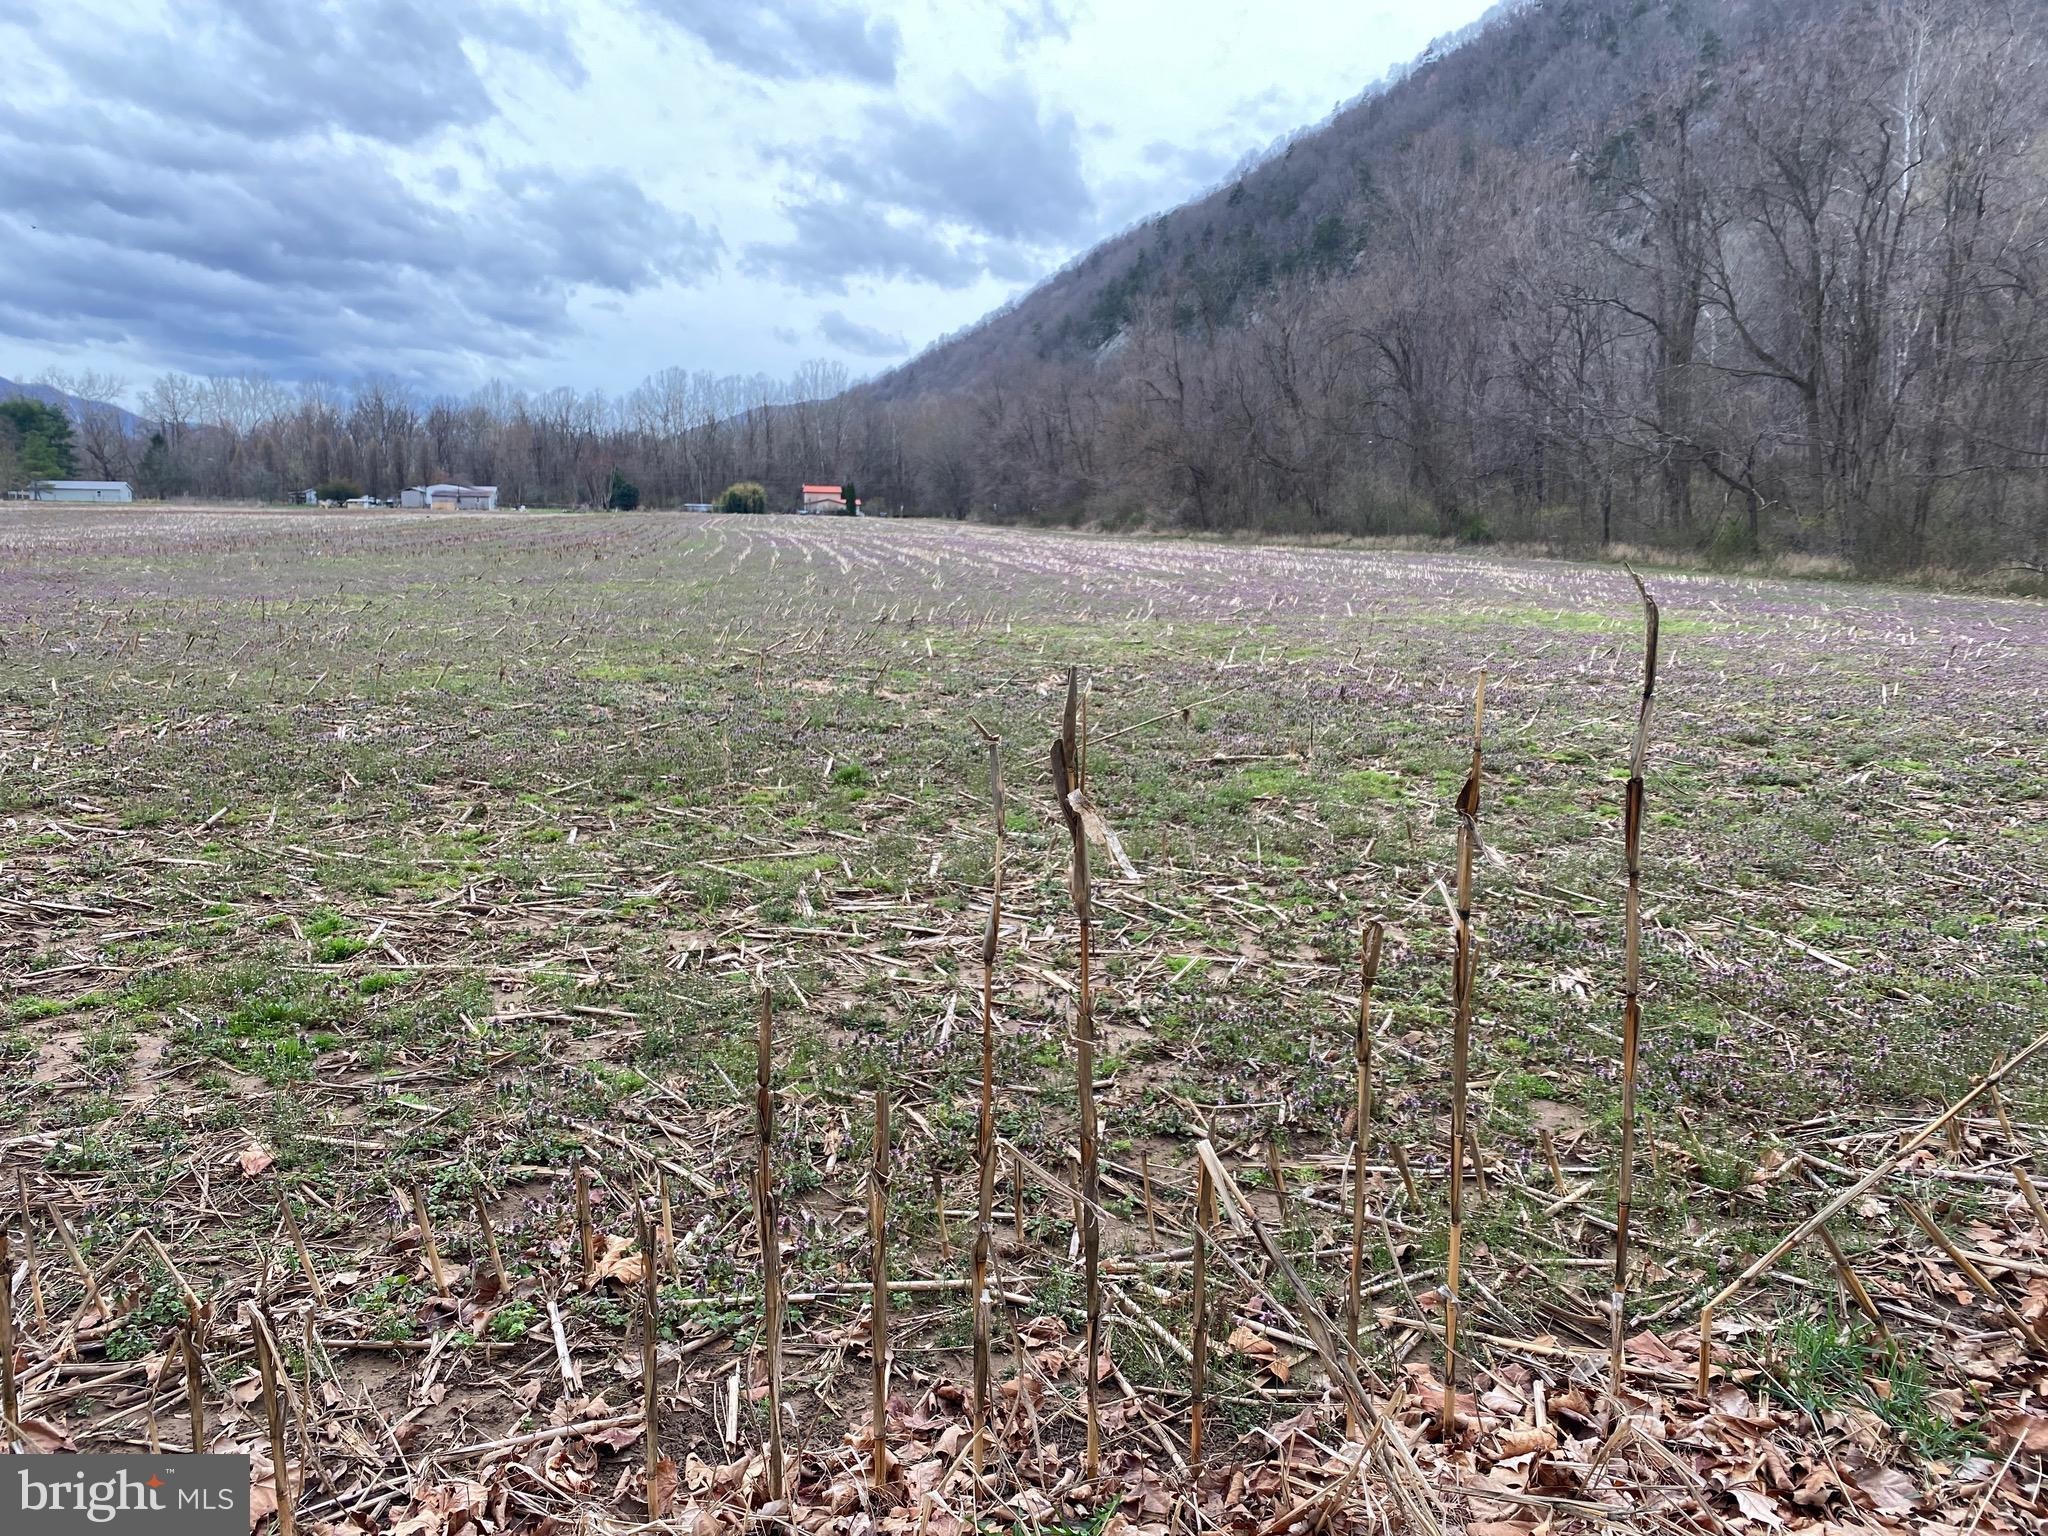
1746,274
1530,73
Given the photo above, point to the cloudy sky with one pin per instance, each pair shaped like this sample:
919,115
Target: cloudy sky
584,191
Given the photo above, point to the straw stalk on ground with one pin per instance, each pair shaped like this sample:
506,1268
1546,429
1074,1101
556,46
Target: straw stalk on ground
768,1225
1069,784
1464,963
878,1278
1631,989
1371,938
10,1412
985,1124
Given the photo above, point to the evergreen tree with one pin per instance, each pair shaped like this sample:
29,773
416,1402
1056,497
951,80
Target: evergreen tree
155,474
41,435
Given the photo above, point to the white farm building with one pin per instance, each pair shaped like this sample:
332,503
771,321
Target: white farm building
467,498
80,490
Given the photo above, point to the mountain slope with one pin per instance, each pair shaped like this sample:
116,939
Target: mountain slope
1721,275
1534,75
129,422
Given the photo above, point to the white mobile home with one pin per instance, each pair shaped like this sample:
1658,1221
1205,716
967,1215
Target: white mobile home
466,498
80,490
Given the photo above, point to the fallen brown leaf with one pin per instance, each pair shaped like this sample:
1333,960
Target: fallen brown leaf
2029,1429
1757,1505
661,1487
44,1436
619,1262
1889,1490
1520,1442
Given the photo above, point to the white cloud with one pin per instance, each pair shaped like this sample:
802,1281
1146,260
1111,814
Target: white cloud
584,191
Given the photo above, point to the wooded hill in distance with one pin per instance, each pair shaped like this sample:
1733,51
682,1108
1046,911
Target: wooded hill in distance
1726,276
1757,274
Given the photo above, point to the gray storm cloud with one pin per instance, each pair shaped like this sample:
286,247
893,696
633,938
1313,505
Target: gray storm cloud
227,195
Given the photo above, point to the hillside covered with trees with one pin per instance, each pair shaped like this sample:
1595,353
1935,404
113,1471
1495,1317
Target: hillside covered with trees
1749,274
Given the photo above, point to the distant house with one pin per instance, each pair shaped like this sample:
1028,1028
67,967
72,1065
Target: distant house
465,498
828,499
309,496
696,506
80,490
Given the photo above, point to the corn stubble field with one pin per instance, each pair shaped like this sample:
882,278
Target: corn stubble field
351,863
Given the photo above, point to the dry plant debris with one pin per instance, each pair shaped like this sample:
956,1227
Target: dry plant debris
388,903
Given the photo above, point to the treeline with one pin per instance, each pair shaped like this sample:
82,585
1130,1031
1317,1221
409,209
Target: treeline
679,437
